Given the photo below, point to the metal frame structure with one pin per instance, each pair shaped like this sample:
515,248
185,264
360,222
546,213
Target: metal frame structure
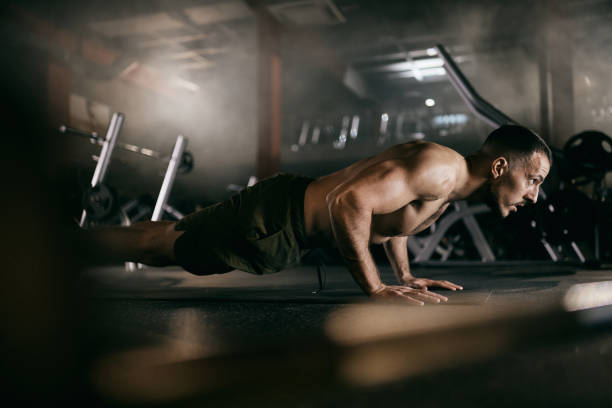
480,107
164,192
108,145
166,188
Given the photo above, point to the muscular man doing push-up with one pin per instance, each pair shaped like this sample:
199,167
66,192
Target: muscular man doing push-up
379,200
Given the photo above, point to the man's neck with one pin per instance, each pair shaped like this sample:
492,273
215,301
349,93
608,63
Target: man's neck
473,177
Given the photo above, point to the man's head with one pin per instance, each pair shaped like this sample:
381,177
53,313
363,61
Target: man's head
519,162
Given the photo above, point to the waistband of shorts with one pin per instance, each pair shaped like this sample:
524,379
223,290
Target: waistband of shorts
298,191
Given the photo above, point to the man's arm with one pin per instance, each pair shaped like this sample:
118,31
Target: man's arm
396,250
383,188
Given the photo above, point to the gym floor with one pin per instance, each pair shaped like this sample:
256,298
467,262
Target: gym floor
237,339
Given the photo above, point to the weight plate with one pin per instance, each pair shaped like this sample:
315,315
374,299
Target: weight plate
186,164
99,202
590,154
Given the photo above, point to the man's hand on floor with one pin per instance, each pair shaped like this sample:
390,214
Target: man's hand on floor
407,294
422,283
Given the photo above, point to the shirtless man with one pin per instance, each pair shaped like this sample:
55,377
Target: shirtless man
379,200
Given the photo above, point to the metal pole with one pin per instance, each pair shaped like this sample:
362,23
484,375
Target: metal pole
173,211
166,187
481,108
94,138
112,133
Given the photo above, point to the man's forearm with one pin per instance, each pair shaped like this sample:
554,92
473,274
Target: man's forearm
364,272
396,250
351,228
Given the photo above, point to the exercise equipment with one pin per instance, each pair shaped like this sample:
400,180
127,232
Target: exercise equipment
164,192
99,201
423,248
568,214
173,168
186,163
590,156
479,106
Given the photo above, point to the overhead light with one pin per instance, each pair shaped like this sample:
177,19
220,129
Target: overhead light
304,133
422,63
431,52
384,121
423,73
429,102
433,72
354,127
449,119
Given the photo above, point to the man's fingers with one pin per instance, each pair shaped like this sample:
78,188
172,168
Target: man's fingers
409,295
434,297
425,295
396,295
411,300
446,285
450,285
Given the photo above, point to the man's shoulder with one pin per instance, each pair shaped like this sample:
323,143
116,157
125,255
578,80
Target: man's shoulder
423,150
438,152
423,155
433,168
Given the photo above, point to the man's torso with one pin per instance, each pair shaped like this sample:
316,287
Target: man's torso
408,220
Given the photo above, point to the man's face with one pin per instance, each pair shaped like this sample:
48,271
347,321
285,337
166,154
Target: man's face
514,187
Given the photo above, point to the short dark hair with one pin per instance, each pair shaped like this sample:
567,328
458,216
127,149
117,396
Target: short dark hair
516,142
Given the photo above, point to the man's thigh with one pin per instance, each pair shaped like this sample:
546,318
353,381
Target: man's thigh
203,235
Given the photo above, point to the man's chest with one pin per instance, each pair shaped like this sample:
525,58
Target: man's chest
409,220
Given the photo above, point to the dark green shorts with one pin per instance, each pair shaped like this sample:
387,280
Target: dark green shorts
259,230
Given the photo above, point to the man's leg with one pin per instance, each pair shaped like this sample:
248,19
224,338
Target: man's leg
148,242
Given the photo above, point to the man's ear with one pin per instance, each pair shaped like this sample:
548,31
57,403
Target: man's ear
499,167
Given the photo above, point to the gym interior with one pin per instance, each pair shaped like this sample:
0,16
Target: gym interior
117,112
